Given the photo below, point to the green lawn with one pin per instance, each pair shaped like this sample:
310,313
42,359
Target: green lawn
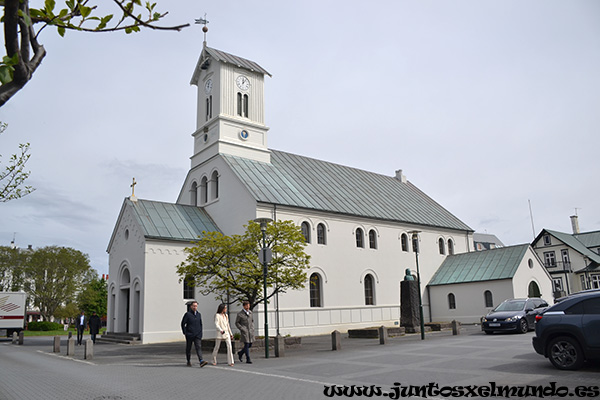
60,332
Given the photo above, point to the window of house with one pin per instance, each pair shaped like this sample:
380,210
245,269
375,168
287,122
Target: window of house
558,285
369,298
359,238
415,243
442,246
549,259
404,242
450,247
595,282
305,227
564,254
547,240
194,194
214,185
487,296
204,190
321,238
245,110
451,301
372,239
239,104
188,288
315,290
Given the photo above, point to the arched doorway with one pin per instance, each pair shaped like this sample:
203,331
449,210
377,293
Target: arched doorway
123,302
534,290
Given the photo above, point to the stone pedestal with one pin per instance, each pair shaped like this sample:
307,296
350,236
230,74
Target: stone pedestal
336,340
88,353
455,327
15,338
70,346
21,337
56,347
409,305
279,346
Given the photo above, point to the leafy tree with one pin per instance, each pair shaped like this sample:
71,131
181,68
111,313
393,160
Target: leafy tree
54,277
94,295
12,265
13,177
67,311
24,53
229,266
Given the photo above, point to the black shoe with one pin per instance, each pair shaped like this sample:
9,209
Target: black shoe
203,363
248,362
189,364
240,356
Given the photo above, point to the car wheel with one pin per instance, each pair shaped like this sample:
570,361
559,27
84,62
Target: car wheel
523,326
565,353
488,332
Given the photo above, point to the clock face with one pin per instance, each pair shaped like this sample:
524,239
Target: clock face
208,86
243,82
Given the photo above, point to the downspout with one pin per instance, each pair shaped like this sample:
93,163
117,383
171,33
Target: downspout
429,303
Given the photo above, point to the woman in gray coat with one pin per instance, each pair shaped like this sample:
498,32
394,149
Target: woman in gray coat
245,323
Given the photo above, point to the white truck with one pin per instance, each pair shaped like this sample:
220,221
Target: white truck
12,312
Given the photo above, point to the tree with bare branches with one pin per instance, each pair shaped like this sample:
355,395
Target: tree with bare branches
24,53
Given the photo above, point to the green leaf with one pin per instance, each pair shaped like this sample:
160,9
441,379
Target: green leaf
63,13
49,6
70,4
6,74
85,11
35,13
61,30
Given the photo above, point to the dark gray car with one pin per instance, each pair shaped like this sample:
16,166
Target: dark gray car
513,315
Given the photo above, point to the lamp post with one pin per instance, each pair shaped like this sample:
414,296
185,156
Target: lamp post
415,240
263,228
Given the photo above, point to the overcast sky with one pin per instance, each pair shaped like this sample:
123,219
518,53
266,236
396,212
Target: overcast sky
485,106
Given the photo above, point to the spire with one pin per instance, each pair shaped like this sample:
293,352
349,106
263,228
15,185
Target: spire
203,21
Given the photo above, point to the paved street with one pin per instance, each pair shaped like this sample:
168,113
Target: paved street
125,372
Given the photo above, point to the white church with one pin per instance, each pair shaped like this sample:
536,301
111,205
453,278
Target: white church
357,224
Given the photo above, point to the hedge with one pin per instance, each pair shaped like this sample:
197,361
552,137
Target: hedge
44,326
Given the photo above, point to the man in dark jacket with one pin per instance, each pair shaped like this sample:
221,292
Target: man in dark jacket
80,325
191,326
94,323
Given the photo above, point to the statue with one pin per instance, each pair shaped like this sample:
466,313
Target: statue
408,276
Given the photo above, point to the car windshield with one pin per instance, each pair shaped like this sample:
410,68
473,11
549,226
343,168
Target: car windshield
511,306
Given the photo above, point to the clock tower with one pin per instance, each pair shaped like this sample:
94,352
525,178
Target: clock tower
231,107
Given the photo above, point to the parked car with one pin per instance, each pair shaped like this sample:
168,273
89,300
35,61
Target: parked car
567,332
513,315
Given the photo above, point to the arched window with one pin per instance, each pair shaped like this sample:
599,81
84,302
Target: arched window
188,288
305,227
359,238
194,194
214,185
372,239
369,290
442,246
315,290
404,242
239,104
245,111
209,107
487,296
450,247
204,190
321,235
451,301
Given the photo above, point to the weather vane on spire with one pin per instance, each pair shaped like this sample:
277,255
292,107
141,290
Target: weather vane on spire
203,21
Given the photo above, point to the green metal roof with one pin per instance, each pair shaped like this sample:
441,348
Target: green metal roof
172,221
589,239
477,266
298,181
573,242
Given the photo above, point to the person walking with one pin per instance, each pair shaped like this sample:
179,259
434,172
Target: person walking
223,333
94,324
245,323
191,326
80,325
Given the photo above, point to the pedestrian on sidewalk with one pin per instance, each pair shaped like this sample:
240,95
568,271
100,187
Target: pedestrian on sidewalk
223,333
191,326
245,323
94,324
80,325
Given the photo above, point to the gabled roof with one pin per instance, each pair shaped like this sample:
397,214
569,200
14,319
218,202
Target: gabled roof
172,221
218,55
477,266
487,238
589,239
168,221
297,181
573,242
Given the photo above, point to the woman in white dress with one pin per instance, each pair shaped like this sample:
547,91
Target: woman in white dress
223,333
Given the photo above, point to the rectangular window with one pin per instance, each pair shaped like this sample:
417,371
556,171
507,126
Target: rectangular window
547,240
549,259
595,281
564,254
558,285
